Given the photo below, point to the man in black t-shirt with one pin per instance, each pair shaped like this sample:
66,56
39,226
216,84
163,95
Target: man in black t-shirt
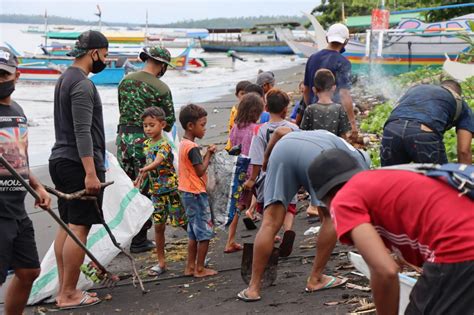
77,161
17,246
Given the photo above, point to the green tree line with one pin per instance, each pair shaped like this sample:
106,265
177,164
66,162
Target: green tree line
239,22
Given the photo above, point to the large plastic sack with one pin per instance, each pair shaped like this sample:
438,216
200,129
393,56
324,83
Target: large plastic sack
173,140
125,211
225,176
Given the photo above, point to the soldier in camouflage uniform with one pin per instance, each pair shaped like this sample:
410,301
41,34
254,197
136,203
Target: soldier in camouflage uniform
136,92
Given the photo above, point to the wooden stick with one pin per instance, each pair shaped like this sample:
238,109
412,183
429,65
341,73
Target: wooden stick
81,194
54,215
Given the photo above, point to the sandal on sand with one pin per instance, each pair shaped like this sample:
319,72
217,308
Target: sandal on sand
330,285
82,303
91,294
235,248
286,246
156,271
242,295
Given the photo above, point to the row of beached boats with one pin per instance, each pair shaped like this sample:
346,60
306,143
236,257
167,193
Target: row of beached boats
47,67
410,44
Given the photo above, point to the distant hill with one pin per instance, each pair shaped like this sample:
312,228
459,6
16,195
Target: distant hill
240,22
39,19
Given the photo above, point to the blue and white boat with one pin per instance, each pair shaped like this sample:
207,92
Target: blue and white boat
260,39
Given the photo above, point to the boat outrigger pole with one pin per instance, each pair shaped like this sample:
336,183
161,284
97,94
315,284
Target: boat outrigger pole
450,6
45,28
99,14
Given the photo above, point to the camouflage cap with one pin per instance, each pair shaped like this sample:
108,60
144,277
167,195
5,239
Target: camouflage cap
157,53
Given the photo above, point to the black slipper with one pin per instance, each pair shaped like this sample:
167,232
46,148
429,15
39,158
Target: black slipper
286,246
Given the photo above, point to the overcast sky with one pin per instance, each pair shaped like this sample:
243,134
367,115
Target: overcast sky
159,11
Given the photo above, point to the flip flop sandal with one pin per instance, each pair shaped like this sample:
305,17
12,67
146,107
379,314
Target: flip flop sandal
84,293
235,248
249,224
330,285
232,250
91,294
156,271
238,246
242,295
286,246
81,304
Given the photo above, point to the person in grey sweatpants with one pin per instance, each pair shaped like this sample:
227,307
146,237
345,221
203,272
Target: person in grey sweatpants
287,159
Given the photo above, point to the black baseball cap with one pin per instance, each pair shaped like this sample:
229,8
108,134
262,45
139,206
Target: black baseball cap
87,41
331,168
8,60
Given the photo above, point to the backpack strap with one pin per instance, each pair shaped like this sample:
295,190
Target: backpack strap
458,176
421,168
458,100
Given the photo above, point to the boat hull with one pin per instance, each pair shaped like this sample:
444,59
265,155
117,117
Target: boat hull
109,76
400,56
247,47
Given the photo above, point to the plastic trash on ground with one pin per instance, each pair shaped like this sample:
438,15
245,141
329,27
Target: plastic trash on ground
225,176
312,231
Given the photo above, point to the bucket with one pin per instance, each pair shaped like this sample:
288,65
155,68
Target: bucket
406,283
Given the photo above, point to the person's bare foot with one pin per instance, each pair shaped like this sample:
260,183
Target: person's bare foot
188,272
205,272
312,211
250,214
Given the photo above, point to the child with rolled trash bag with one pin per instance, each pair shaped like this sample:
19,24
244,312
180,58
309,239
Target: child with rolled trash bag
249,111
18,247
423,220
162,182
192,186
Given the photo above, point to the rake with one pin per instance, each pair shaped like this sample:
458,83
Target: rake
101,274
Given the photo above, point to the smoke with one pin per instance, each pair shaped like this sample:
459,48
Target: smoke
377,82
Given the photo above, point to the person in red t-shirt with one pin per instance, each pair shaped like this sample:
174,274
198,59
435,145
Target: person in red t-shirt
420,219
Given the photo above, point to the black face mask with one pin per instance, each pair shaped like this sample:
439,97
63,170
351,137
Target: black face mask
97,65
163,70
7,88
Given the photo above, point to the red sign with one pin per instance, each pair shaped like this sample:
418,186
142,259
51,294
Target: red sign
380,19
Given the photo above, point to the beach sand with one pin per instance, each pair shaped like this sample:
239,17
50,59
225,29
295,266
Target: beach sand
173,293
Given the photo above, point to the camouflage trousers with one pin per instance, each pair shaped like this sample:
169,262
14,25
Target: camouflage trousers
130,153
